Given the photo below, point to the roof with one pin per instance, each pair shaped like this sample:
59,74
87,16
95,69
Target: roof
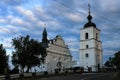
89,23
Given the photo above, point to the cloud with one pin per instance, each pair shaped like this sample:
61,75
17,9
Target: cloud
55,25
41,13
109,52
73,17
6,42
13,2
28,14
4,30
63,17
7,5
110,44
109,5
3,20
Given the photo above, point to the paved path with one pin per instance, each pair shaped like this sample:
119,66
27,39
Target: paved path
76,76
84,76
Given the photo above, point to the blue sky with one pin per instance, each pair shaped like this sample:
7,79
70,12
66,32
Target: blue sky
62,17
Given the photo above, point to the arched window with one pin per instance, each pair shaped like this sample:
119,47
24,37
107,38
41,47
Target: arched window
96,36
87,46
86,36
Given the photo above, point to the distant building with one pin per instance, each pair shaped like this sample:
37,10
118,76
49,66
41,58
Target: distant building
58,53
90,46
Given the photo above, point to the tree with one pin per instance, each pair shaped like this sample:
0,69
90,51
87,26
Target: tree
28,53
116,60
3,60
109,63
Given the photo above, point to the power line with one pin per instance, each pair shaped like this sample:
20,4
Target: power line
68,6
103,16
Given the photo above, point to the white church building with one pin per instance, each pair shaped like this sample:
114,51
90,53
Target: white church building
58,54
90,46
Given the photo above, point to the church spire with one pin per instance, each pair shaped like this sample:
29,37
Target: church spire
89,17
44,36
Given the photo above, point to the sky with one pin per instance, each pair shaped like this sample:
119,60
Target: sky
62,17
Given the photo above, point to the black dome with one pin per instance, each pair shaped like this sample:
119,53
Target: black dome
90,23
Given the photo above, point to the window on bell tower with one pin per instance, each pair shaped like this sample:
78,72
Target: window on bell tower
86,55
87,46
86,36
96,36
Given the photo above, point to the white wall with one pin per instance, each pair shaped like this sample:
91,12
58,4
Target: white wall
94,50
58,52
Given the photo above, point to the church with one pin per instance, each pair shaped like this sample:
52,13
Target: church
90,46
58,53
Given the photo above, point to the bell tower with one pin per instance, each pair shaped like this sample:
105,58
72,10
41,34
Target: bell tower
90,46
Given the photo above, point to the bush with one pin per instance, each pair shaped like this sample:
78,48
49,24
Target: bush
34,74
45,73
66,71
56,71
21,75
7,77
14,71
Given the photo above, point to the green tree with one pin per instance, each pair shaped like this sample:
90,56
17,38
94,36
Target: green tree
109,63
116,60
3,60
28,53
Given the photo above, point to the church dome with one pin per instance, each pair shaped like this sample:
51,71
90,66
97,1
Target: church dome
90,23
